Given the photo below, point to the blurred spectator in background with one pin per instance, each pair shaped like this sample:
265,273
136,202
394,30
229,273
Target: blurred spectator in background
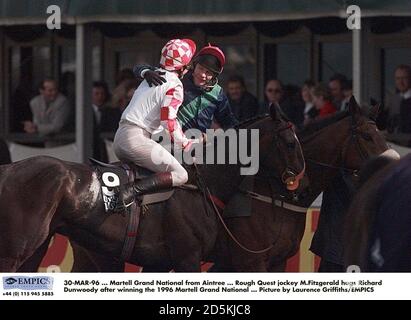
105,118
347,91
396,117
288,98
20,103
4,153
68,86
125,80
51,113
273,94
122,93
130,87
336,85
292,105
243,104
322,101
124,74
310,111
68,89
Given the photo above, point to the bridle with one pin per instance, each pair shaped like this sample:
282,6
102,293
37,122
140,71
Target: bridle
276,141
355,134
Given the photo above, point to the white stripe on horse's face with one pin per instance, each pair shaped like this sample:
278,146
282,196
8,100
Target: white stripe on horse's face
94,188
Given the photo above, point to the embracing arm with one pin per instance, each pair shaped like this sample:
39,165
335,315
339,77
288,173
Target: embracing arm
150,74
140,69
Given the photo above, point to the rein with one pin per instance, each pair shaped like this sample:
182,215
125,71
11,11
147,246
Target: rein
279,203
329,166
228,230
217,203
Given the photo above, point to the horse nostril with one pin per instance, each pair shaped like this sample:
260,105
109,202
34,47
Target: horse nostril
288,176
291,180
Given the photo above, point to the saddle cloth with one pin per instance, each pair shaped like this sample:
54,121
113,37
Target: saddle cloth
113,179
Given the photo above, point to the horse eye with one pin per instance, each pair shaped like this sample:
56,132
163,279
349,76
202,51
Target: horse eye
366,136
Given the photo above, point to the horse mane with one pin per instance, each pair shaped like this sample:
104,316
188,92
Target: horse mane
251,120
317,125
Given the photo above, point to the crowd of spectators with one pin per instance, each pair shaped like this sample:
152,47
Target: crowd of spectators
302,106
50,111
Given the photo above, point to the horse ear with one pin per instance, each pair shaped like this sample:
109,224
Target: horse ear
274,111
374,111
353,106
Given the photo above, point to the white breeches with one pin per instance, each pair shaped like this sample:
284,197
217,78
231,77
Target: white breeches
132,143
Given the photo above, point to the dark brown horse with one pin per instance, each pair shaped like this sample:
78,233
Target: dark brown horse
342,142
43,195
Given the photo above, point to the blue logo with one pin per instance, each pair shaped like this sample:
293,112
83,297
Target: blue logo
28,283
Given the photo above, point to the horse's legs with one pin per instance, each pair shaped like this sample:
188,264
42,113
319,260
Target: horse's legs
14,252
33,262
191,263
89,261
9,264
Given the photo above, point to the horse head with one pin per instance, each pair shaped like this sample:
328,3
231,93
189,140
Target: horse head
341,143
280,150
364,140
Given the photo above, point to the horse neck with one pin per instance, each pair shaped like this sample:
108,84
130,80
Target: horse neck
326,146
224,179
221,179
84,190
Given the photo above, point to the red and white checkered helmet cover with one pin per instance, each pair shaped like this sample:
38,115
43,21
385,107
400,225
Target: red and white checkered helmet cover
177,53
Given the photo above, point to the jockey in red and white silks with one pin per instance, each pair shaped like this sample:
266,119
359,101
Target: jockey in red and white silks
155,108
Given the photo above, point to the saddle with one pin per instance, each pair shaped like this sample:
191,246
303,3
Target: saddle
113,179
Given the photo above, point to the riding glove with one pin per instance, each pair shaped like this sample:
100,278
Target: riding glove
154,77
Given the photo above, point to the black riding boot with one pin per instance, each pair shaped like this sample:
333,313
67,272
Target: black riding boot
152,184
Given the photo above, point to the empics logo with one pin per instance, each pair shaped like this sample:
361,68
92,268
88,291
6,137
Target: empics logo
10,281
28,283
